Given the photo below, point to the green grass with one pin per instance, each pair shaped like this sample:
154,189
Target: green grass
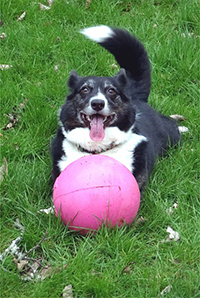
95,264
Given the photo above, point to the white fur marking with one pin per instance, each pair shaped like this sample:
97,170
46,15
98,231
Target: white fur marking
98,33
183,129
99,95
125,142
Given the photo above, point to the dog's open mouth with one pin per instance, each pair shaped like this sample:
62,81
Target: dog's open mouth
97,124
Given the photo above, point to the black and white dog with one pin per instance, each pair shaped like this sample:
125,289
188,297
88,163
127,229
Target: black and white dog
110,115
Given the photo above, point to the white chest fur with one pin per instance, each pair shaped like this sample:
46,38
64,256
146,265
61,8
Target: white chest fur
125,144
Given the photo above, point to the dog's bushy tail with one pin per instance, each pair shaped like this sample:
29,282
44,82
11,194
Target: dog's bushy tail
129,53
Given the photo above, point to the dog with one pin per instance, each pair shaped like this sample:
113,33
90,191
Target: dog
110,115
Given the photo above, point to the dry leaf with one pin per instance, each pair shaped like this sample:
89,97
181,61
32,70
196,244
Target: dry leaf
166,290
8,126
178,117
45,272
15,117
27,277
65,266
16,146
35,266
21,264
175,205
113,66
44,7
174,261
3,35
22,16
87,4
126,270
140,220
3,169
31,271
19,225
173,235
56,67
170,210
12,117
50,210
50,2
5,66
68,292
13,120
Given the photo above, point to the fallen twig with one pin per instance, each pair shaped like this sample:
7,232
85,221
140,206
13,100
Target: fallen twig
28,268
34,247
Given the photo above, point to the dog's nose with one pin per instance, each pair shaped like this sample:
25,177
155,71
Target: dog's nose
98,104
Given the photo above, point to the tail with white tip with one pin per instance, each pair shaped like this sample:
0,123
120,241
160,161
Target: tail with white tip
129,53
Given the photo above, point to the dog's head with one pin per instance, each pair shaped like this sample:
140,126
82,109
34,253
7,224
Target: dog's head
98,103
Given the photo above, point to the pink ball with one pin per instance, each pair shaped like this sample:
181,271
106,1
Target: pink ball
96,190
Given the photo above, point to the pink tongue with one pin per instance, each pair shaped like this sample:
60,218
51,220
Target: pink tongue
97,130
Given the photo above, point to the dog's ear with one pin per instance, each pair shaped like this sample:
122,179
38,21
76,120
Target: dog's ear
121,77
73,79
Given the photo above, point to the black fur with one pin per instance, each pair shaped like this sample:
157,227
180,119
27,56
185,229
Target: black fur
131,55
128,102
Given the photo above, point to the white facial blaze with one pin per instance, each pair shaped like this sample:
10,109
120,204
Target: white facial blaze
89,110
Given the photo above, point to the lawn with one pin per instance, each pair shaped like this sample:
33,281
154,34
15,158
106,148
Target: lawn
136,261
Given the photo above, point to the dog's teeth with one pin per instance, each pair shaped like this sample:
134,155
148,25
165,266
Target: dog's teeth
105,118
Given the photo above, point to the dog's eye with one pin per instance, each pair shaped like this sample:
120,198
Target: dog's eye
111,91
85,90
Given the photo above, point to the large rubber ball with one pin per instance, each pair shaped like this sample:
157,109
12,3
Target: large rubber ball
96,190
